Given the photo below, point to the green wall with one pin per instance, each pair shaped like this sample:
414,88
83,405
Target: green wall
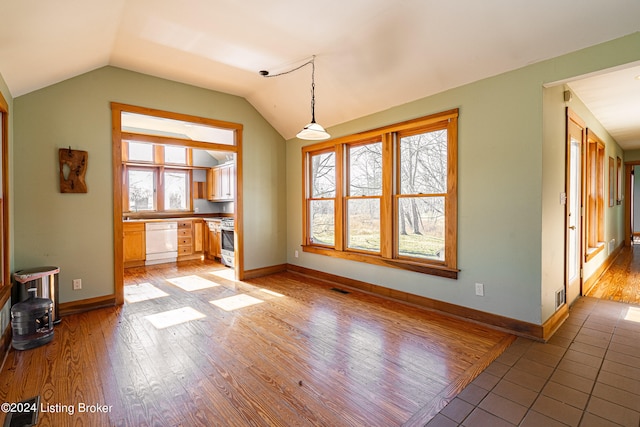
509,186
75,231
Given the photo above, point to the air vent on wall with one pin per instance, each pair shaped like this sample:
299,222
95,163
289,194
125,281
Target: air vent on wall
559,298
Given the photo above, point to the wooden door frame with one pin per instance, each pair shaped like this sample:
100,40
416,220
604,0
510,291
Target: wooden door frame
116,134
628,168
572,116
5,284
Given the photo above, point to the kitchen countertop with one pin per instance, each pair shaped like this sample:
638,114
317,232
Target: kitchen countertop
143,220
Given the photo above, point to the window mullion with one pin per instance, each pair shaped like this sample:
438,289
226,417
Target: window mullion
159,188
341,182
386,200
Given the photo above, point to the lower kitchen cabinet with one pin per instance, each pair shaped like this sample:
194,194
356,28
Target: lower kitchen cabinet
214,249
198,236
134,244
190,236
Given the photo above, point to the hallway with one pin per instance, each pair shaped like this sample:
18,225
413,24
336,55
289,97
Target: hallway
621,282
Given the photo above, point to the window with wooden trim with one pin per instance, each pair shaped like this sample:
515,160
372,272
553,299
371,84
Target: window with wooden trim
364,198
322,197
386,196
595,194
154,180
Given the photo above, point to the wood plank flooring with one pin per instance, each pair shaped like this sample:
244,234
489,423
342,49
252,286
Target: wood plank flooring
283,350
621,281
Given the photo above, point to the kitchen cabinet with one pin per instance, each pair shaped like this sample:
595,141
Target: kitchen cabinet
190,239
214,249
221,182
198,236
185,239
134,246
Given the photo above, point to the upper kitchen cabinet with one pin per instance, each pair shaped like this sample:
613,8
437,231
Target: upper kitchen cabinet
221,182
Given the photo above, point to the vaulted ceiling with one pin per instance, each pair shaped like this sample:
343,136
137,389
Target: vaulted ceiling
370,54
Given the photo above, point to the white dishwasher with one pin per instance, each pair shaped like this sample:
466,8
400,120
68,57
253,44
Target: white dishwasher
161,241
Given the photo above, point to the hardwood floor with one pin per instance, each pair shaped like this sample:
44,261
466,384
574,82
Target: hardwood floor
278,350
621,281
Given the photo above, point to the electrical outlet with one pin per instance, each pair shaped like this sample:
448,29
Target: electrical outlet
479,289
295,254
77,284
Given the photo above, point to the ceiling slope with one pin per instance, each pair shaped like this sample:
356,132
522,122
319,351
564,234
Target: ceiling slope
371,54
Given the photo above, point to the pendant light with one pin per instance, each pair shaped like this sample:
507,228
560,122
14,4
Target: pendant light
313,131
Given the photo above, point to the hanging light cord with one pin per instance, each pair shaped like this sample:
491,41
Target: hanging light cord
265,73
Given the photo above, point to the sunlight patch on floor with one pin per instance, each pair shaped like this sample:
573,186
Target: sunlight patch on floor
226,273
235,302
633,314
174,317
142,292
192,283
272,293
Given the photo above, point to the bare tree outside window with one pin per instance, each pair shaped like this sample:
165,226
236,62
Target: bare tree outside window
365,191
322,200
176,190
387,196
423,187
141,190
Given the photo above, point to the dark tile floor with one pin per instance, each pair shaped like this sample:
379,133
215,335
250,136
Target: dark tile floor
587,375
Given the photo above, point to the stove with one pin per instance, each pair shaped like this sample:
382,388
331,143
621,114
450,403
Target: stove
227,237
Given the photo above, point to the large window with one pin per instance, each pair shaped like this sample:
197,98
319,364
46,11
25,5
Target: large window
387,196
153,180
595,198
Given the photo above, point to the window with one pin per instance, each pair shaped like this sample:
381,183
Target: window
364,199
142,189
175,155
176,190
140,152
153,181
321,203
423,190
386,196
595,198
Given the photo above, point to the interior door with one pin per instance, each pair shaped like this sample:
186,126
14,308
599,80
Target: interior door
573,242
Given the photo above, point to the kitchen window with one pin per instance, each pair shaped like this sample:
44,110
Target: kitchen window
141,185
154,180
140,152
386,196
176,189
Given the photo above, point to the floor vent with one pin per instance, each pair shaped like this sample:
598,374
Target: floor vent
26,413
559,298
342,291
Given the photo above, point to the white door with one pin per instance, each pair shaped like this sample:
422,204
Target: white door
575,135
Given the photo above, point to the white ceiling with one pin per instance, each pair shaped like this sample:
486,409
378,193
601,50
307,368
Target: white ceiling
371,54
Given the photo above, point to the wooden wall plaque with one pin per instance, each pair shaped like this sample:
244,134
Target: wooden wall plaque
73,167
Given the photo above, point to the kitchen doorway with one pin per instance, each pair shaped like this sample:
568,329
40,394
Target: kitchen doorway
181,130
